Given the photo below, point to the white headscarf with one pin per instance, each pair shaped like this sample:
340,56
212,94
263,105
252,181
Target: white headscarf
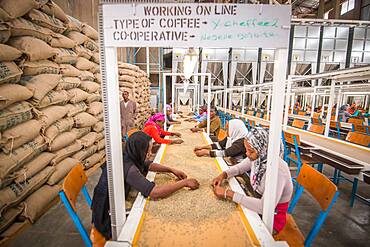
237,130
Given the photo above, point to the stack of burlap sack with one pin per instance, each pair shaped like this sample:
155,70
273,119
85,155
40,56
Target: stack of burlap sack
51,114
136,82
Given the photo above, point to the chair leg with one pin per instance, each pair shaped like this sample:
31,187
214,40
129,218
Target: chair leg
338,177
76,220
354,192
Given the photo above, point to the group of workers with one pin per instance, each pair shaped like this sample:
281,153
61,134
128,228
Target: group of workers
247,147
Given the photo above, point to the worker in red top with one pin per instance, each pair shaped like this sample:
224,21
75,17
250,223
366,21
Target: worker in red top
154,128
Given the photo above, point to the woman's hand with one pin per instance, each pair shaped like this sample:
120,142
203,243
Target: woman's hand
202,152
219,192
218,180
180,174
191,183
176,134
177,141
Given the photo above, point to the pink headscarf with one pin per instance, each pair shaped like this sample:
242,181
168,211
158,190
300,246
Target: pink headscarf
156,117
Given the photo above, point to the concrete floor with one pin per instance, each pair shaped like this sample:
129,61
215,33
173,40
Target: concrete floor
344,226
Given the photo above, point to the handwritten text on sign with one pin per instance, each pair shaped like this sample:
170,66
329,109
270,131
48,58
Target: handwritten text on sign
196,25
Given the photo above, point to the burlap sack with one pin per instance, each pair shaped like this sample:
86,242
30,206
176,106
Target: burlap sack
20,134
95,108
78,95
9,216
21,155
4,32
84,119
100,136
85,153
23,27
100,144
100,116
34,48
79,38
40,85
69,70
9,72
73,24
67,83
60,41
62,140
80,132
98,78
54,10
128,72
33,167
60,126
91,45
128,78
86,76
16,9
88,139
39,67
95,57
84,64
63,56
83,52
8,53
95,69
15,193
128,66
54,98
98,127
11,93
46,21
15,114
36,203
94,159
89,31
66,152
89,86
126,84
51,114
93,97
76,108
61,170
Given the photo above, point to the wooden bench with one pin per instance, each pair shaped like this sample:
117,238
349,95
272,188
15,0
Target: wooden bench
360,128
298,123
357,121
358,138
315,128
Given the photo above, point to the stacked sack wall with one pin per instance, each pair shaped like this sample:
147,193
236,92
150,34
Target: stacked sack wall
51,114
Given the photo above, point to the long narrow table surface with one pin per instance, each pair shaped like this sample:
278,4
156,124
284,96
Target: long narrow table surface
344,125
355,153
191,218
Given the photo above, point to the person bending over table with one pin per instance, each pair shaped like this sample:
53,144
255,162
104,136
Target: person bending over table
199,117
169,117
135,167
215,124
231,146
154,128
256,143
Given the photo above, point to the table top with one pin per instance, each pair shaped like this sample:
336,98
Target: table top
344,125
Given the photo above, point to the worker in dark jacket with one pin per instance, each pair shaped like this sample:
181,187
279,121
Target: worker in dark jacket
231,146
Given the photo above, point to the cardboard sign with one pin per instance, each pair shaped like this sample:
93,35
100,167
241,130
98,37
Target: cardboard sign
196,25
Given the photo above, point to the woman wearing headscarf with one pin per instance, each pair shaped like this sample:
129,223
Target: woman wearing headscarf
231,146
256,143
135,167
169,117
154,128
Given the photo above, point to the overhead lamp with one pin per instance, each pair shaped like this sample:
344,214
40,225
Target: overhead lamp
190,60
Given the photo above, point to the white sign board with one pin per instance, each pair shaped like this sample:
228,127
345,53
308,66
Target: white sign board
196,25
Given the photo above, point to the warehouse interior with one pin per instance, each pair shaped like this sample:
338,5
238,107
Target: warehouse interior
65,124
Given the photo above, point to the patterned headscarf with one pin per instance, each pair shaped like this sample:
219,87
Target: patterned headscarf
153,120
258,138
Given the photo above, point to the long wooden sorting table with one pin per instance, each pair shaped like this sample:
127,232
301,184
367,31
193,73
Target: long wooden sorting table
191,218
355,157
344,125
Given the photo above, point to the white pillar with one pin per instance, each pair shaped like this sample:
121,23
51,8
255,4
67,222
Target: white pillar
331,101
230,99
147,61
287,100
292,103
243,101
338,105
209,105
280,67
113,140
313,101
268,104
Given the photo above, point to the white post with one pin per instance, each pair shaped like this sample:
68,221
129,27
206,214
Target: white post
173,99
243,102
268,104
331,101
230,99
287,99
280,66
209,105
313,102
322,106
292,103
338,105
147,61
113,140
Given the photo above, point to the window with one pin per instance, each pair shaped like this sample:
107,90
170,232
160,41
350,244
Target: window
347,6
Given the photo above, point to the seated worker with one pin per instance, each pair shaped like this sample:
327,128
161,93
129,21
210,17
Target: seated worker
154,128
135,167
215,124
199,117
169,117
231,146
256,144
